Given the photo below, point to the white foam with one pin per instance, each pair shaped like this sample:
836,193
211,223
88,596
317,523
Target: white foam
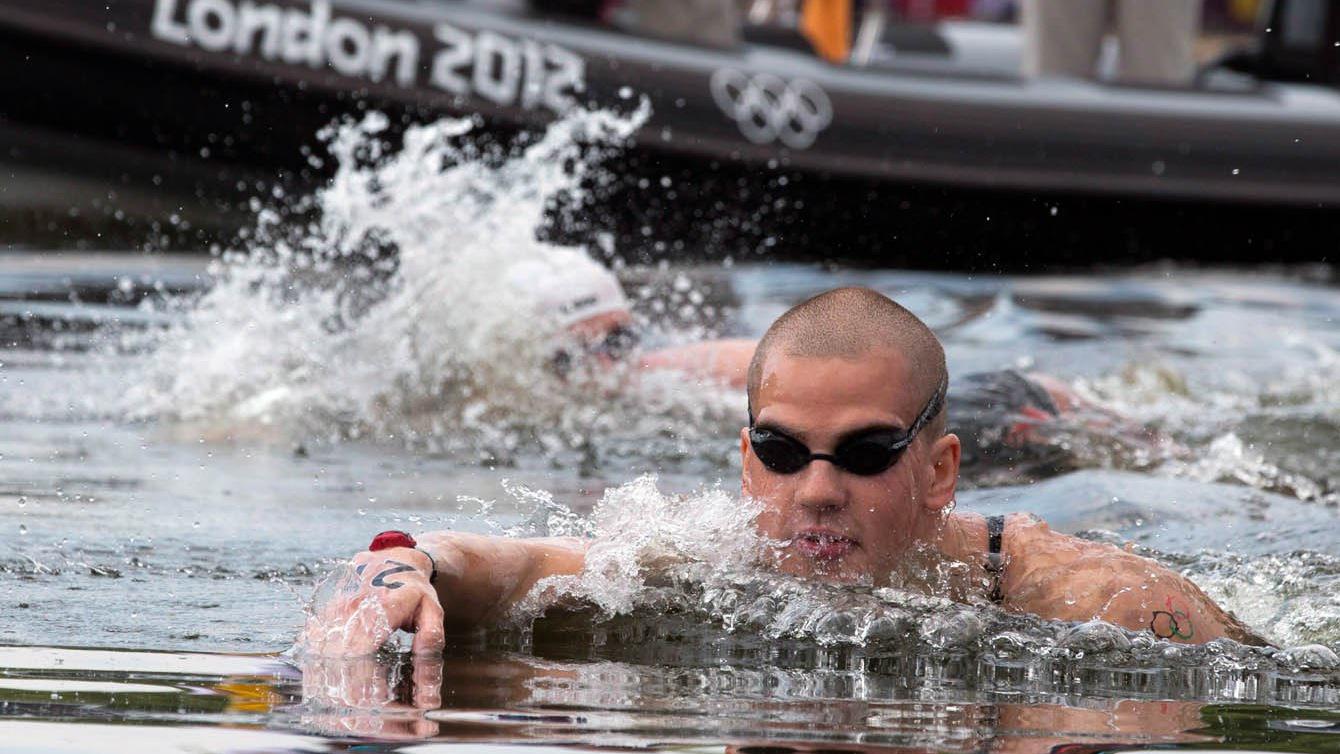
1209,417
644,538
321,330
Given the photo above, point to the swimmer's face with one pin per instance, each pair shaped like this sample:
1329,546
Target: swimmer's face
597,327
598,338
831,523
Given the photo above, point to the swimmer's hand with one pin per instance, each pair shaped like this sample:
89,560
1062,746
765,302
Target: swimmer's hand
479,578
363,603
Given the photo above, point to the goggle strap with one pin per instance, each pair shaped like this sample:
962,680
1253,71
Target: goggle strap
931,410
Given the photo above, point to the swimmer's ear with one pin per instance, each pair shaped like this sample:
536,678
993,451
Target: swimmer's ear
945,455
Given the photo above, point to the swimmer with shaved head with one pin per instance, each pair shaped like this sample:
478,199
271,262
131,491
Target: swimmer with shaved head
847,451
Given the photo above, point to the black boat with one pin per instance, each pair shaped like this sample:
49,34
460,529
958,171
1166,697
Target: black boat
171,101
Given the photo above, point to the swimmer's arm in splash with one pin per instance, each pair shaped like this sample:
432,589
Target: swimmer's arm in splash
1145,596
480,578
1060,577
721,361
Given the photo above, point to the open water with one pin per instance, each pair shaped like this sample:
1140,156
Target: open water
188,444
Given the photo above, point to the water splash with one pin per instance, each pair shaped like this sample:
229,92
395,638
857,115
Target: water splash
330,599
684,568
1294,597
1277,436
387,313
680,581
646,542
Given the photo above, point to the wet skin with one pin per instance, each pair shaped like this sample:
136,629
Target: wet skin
723,362
830,524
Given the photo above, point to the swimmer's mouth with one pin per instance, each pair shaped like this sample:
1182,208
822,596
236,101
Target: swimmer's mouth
822,544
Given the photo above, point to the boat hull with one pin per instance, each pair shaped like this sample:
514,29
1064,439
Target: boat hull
215,99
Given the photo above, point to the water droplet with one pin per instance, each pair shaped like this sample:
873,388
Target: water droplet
23,501
625,92
1236,171
362,511
195,525
23,530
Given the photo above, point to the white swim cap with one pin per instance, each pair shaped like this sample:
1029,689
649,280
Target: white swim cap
567,286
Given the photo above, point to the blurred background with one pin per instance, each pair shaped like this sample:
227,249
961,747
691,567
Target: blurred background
991,134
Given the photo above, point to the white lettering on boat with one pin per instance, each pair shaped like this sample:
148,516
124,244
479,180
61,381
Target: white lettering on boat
506,71
501,69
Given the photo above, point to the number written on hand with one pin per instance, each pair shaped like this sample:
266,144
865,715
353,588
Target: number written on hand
396,567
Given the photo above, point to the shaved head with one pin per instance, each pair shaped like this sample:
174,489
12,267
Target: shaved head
849,323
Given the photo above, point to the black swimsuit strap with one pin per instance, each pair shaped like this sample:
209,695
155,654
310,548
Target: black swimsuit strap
995,564
995,529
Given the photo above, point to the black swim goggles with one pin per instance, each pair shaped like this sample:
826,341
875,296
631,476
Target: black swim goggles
617,345
865,454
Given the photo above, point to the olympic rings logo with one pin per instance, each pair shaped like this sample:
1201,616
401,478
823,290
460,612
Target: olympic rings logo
768,108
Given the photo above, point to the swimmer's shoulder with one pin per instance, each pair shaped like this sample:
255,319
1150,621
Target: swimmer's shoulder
1061,577
1047,571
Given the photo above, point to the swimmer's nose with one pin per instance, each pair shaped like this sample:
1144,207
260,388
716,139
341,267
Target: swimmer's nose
821,488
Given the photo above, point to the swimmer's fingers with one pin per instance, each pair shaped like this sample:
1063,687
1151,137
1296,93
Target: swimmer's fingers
427,679
366,625
358,626
429,634
358,610
380,613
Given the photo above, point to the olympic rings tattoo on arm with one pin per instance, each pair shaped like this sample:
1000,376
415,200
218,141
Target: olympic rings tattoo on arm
1172,623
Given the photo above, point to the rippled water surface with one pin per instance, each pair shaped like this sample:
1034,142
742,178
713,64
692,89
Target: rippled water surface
159,535
188,447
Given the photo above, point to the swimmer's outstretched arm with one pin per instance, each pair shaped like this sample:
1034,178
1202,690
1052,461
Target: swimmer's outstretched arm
479,578
1061,577
721,361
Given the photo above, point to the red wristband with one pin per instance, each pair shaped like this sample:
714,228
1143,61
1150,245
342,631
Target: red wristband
389,539
393,538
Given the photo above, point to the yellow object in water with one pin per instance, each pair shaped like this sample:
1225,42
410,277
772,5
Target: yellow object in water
827,25
244,696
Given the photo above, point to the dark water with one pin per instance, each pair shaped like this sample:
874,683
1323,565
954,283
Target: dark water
86,700
149,534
